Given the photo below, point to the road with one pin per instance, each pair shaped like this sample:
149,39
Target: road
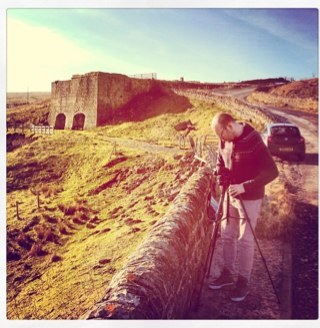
304,174
239,93
303,179
295,262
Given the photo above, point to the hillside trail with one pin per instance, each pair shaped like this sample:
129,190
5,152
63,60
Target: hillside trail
293,265
145,146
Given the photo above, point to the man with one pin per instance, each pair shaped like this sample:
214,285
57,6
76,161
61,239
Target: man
245,164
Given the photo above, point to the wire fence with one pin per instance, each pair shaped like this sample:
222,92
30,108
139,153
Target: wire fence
152,76
42,129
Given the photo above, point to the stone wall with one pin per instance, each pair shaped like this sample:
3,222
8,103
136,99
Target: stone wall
248,112
161,279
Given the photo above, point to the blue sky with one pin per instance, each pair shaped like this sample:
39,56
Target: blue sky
207,45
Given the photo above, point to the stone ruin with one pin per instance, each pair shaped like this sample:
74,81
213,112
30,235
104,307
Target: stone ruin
92,99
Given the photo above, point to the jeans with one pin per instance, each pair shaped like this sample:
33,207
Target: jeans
237,237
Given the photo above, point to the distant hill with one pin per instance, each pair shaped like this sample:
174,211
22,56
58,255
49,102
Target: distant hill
35,112
266,81
210,86
15,99
298,89
302,95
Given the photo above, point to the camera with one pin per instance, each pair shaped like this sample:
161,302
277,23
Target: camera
223,177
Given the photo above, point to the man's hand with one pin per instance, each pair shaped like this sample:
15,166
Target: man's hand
236,189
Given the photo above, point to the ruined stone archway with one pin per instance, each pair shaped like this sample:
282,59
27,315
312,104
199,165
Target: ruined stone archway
60,122
78,121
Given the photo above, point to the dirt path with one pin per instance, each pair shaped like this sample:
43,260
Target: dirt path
145,146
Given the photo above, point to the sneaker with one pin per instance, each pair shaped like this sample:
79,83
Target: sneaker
241,290
225,279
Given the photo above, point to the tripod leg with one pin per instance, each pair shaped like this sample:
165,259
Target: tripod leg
216,230
212,244
211,250
258,246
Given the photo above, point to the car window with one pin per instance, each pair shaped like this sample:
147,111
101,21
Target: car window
290,131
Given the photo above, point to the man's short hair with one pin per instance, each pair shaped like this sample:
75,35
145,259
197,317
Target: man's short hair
223,119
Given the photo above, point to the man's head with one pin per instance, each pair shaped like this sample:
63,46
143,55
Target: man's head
224,126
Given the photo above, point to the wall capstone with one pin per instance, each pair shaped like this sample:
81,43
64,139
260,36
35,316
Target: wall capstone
162,277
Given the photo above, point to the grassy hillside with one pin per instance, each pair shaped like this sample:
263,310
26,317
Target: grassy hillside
26,114
94,210
298,89
95,207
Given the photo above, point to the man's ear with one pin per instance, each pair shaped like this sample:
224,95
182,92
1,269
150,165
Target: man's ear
229,126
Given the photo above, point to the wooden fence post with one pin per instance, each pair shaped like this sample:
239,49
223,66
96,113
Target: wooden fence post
38,199
17,210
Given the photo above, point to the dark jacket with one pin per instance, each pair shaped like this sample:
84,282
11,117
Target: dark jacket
251,163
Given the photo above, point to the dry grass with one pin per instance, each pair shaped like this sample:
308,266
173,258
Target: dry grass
76,228
302,95
298,89
15,99
58,265
276,220
36,113
308,104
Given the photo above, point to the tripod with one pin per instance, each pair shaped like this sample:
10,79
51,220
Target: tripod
258,246
216,226
217,222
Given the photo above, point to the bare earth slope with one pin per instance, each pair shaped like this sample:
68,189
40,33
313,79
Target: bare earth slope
301,95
